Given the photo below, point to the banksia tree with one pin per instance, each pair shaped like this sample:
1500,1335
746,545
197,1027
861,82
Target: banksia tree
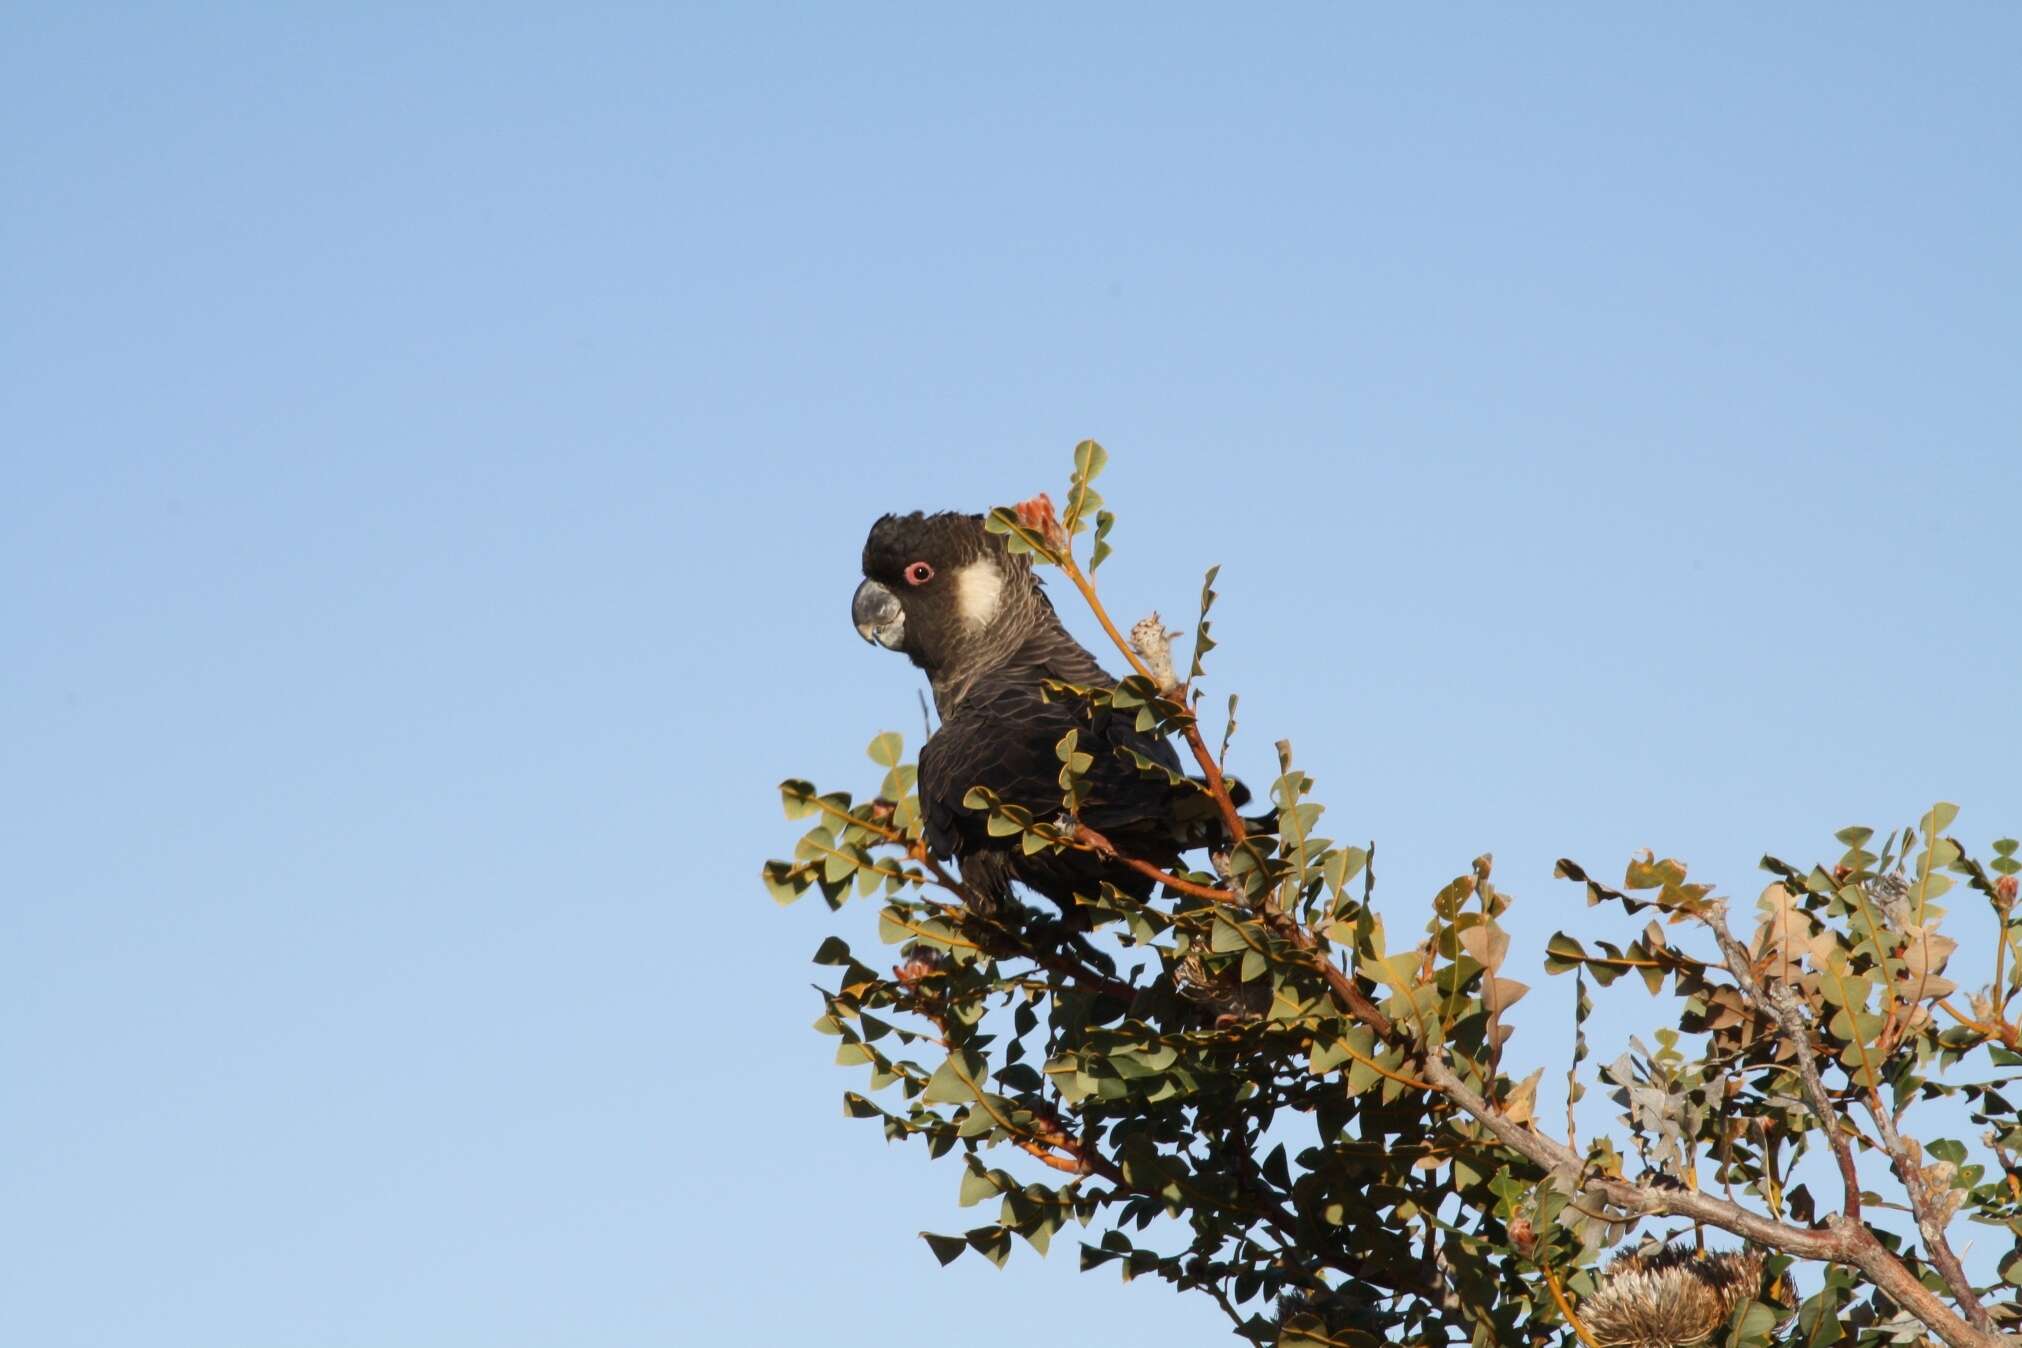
1265,1087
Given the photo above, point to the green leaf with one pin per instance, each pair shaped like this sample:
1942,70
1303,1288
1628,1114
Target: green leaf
1094,1256
1752,1325
1089,460
886,749
1343,866
1562,952
837,865
785,881
1038,1234
1152,768
1227,936
947,1249
948,1085
1104,521
2004,856
1203,643
798,797
1948,1149
976,1186
992,1242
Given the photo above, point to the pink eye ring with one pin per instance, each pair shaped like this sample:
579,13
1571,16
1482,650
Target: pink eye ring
919,573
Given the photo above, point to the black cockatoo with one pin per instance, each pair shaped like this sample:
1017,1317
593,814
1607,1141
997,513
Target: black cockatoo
948,593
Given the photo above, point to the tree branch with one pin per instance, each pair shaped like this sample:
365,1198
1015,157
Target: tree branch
1782,1007
1930,1218
1098,843
1844,1240
1051,960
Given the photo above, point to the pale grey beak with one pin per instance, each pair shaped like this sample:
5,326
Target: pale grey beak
878,617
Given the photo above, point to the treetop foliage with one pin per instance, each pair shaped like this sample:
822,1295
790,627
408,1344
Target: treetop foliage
1294,1102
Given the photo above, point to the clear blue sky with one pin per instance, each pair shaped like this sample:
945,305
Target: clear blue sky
437,446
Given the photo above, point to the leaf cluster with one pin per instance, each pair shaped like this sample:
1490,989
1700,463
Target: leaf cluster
1254,1087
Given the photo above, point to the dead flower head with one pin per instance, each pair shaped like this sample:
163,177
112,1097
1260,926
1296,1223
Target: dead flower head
1671,1298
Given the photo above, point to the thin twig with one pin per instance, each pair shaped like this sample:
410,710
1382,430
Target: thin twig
1189,728
1565,1307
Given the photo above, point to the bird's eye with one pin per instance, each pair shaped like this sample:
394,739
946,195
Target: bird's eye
919,573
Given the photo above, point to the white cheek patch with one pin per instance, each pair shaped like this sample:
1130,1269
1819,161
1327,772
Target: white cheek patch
979,592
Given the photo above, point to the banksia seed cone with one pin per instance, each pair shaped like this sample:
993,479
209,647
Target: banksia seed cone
1671,1298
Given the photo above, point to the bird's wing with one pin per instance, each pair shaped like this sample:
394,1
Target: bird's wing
1119,791
1005,736
1001,738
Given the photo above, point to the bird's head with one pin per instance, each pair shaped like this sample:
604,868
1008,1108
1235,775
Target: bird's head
946,592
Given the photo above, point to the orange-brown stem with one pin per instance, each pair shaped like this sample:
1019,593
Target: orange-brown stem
1096,842
1565,1306
1210,769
